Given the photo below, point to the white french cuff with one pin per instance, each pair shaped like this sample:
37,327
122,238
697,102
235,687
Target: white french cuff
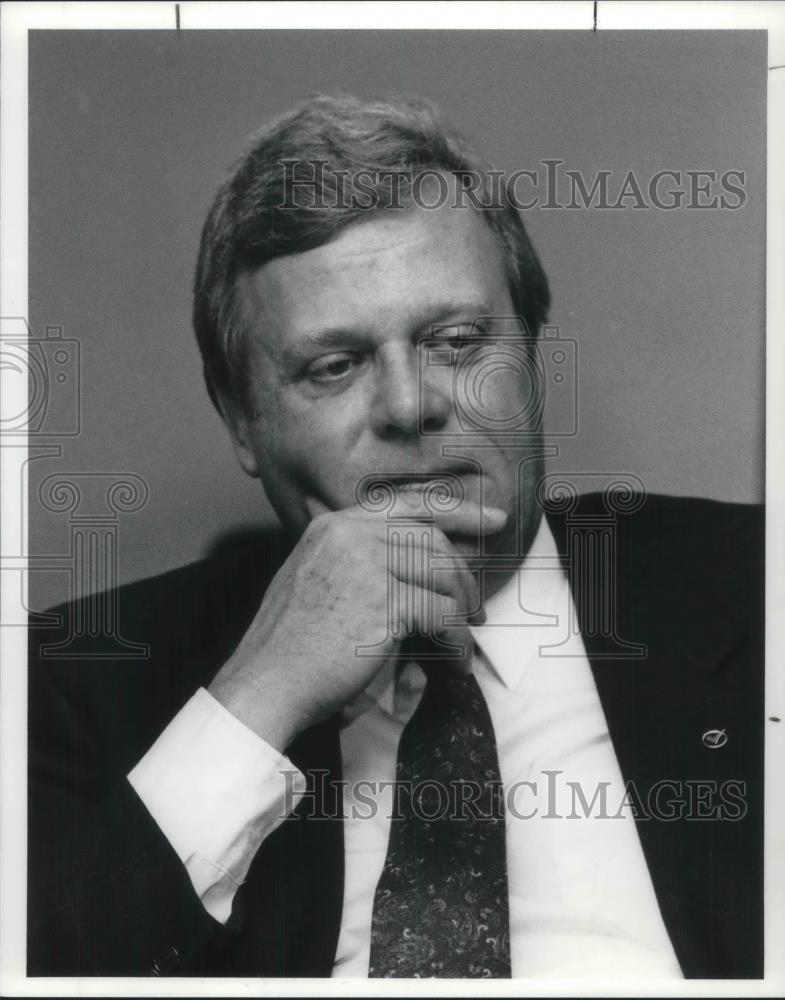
216,790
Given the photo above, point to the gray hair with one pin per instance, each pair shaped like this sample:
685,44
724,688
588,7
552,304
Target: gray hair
314,171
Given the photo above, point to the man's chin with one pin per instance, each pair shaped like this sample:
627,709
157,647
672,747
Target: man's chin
503,544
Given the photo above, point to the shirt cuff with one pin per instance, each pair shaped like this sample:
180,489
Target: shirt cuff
216,790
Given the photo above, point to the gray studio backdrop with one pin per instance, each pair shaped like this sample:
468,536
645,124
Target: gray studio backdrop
130,132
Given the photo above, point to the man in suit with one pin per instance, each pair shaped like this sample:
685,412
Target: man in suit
358,745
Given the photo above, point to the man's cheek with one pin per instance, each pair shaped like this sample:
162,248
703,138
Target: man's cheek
318,470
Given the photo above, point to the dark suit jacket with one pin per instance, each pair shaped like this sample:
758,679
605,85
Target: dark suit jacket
107,894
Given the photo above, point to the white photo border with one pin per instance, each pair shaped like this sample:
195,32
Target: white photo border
15,22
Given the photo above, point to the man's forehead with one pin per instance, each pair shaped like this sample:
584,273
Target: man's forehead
423,259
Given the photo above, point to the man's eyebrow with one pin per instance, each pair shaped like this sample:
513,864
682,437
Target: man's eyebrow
329,337
297,348
470,309
437,315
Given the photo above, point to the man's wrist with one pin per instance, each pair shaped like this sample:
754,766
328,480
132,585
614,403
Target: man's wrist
270,716
216,790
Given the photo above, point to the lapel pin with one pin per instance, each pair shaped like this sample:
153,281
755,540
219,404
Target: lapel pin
714,739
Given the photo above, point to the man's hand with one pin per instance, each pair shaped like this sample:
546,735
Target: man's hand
297,664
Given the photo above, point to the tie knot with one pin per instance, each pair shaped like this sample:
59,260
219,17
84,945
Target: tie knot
435,655
450,692
448,674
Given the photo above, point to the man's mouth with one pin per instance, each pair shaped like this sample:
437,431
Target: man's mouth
414,480
441,482
437,489
446,482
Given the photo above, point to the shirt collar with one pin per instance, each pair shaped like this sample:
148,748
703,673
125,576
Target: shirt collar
381,690
525,613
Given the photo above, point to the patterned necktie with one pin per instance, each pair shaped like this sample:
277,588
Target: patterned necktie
441,906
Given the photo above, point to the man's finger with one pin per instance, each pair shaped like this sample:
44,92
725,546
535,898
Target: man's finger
471,519
468,518
430,616
411,561
315,506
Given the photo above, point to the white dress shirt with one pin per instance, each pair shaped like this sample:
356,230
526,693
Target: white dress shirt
581,898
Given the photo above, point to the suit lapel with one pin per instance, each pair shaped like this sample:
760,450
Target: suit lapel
313,856
695,676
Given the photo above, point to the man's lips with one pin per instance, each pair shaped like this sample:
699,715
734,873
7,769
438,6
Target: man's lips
427,482
442,483
409,479
434,490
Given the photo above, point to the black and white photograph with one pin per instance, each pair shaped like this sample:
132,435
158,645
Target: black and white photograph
388,524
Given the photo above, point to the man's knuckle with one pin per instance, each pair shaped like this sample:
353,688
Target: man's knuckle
317,526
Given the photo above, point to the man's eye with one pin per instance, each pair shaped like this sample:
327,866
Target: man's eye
459,336
460,343
331,368
456,343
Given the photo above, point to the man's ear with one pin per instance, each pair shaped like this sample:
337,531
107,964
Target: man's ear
239,425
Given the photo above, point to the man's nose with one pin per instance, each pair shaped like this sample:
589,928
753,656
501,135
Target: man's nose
407,401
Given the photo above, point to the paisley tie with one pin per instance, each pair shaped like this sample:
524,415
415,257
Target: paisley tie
441,907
